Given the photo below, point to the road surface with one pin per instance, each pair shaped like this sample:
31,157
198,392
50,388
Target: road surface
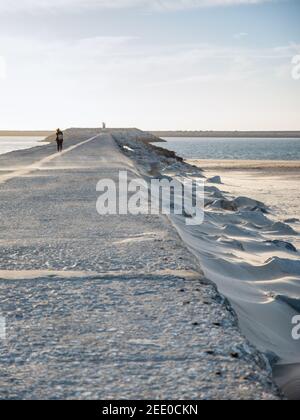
98,307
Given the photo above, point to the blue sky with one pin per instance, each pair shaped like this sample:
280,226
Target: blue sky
155,64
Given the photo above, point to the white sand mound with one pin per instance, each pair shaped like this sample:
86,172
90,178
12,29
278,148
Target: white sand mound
236,231
213,190
280,228
231,243
248,202
284,266
224,204
293,220
215,180
287,246
256,218
250,257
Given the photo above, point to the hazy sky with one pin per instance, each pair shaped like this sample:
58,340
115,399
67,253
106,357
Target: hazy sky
154,64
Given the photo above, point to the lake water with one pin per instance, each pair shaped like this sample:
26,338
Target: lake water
9,144
234,148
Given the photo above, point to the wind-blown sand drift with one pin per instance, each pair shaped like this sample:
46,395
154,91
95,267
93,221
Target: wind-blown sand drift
253,259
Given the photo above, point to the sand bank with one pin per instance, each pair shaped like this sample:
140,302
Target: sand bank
248,246
255,165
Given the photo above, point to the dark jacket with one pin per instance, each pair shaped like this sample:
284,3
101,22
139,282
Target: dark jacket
59,136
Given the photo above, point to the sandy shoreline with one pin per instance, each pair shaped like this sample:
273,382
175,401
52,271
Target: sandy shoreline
274,183
255,165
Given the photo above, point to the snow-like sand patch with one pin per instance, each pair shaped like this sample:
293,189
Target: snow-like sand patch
248,250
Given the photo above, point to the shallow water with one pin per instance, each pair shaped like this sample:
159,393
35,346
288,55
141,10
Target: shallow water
234,148
10,144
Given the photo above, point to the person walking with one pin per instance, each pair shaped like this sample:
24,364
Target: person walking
59,140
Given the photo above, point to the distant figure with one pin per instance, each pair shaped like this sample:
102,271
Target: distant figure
104,126
59,140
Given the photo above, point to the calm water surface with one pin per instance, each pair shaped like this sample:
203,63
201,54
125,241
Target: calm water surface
234,148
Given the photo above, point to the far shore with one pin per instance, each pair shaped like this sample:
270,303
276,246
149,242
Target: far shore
235,134
160,134
33,133
237,165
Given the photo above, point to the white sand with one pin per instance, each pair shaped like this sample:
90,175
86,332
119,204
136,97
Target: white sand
249,250
248,254
274,183
266,165
260,278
